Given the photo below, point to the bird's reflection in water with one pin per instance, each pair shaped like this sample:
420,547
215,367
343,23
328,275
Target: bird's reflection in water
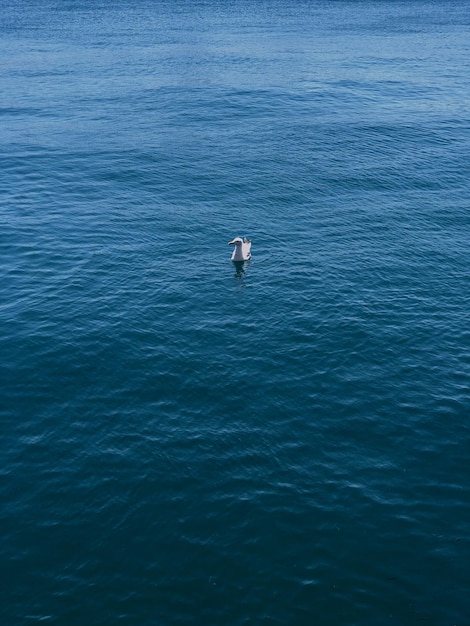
240,268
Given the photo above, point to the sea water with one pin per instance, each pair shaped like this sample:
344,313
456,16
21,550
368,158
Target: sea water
189,441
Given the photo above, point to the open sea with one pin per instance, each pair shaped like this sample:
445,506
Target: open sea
186,441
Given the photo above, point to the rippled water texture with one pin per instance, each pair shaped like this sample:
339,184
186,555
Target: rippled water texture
186,441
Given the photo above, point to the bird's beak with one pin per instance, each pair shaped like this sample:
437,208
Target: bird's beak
230,243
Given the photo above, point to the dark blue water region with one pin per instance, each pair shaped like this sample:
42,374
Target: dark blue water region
189,441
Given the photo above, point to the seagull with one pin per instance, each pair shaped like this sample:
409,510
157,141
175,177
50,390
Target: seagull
242,250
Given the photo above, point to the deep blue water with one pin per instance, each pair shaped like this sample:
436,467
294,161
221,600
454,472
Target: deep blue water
186,441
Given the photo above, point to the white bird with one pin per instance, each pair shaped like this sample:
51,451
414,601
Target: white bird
242,250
